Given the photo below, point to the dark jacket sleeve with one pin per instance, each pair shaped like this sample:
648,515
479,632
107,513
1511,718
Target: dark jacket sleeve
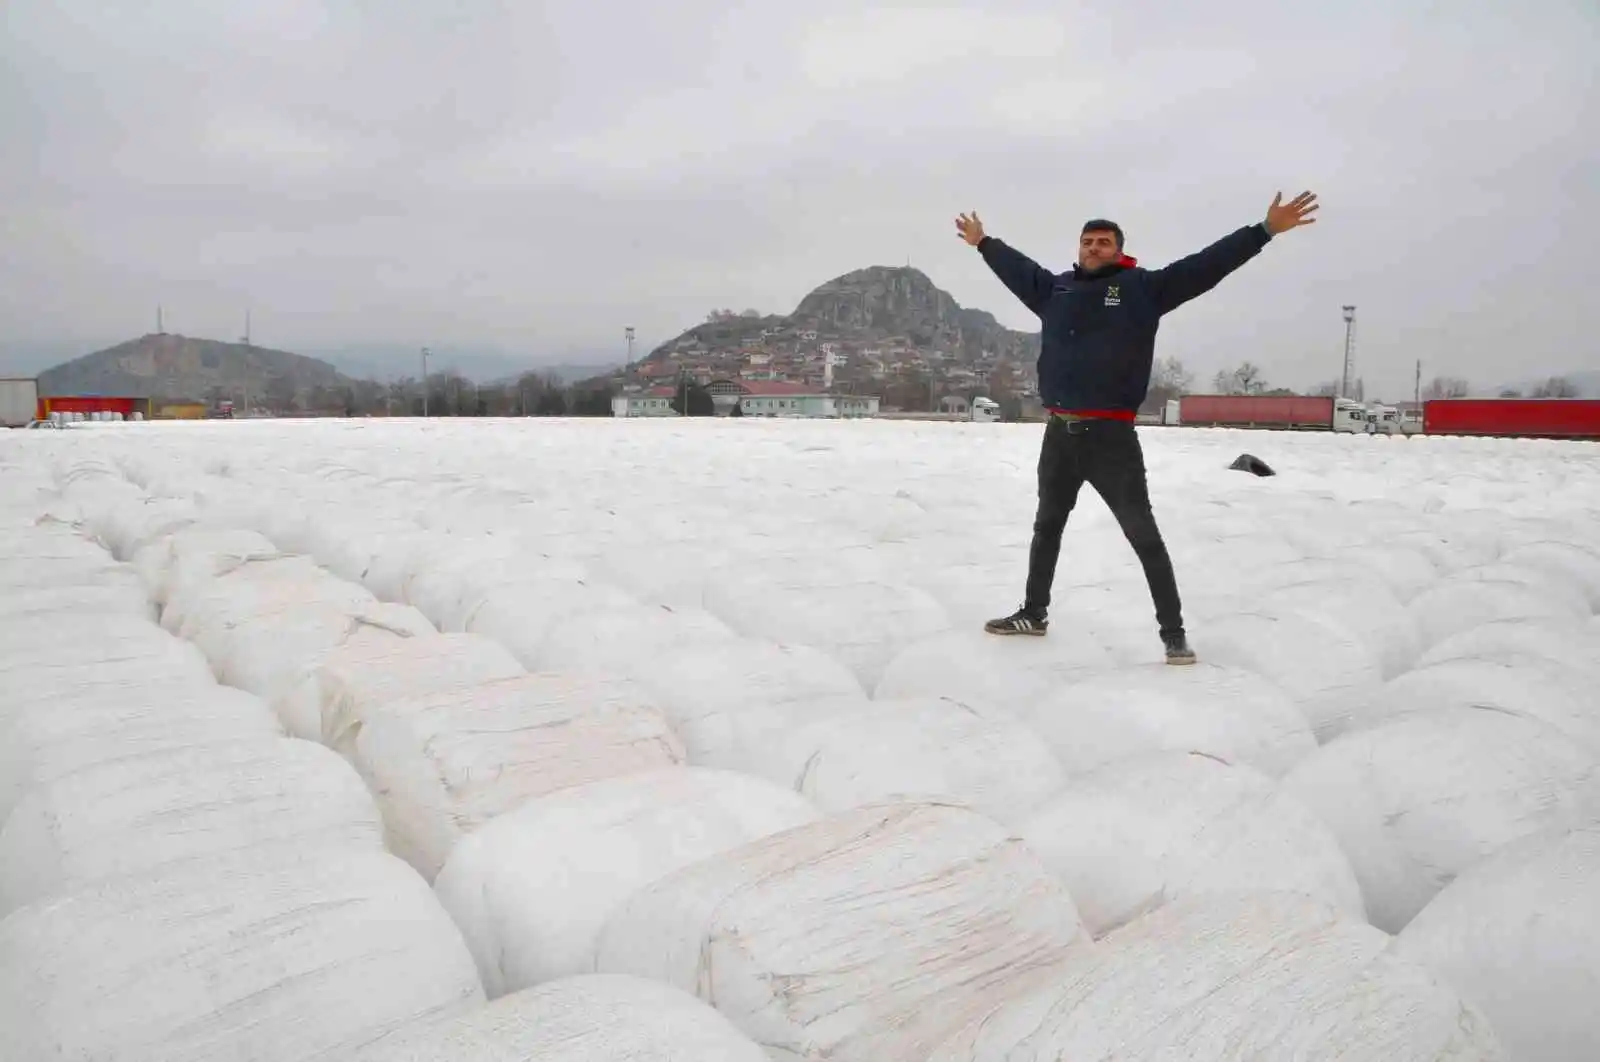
1026,279
1197,274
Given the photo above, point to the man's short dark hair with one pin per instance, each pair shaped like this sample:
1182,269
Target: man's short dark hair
1102,225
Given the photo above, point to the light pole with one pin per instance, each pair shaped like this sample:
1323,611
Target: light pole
1349,349
628,332
424,381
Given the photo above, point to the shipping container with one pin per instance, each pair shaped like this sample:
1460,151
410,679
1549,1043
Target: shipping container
91,404
1298,412
180,411
1540,418
19,402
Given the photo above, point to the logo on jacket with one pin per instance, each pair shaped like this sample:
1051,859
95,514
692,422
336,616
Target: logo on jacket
1113,295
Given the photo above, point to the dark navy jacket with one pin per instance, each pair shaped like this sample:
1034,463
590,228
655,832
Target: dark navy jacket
1099,334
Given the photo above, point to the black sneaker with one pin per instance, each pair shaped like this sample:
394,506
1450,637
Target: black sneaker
1023,621
1178,651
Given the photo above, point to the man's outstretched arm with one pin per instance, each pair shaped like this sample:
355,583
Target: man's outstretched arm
1024,277
1198,273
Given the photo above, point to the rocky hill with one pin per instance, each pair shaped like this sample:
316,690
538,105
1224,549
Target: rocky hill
173,367
879,304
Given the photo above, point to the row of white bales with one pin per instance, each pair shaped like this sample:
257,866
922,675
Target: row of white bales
180,880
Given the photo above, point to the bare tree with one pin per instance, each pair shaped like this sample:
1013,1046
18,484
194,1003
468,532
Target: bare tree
1171,375
1556,387
1246,379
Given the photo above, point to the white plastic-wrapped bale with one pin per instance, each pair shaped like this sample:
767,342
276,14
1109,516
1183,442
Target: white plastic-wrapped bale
250,587
41,741
1519,936
576,1019
356,682
1222,977
240,957
1417,801
125,816
1545,690
1009,673
1567,642
1226,712
626,641
177,561
885,618
68,639
443,764
1363,607
71,666
1316,661
1566,561
523,614
868,936
931,748
726,698
1459,604
532,888
1143,832
284,657
128,528
118,591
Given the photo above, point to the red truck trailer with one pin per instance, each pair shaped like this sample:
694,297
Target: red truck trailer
1271,411
1537,418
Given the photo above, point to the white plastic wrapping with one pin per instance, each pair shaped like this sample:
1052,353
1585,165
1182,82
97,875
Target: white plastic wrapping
869,935
883,619
1143,832
931,748
443,764
1225,977
130,815
523,614
532,888
1419,800
625,641
182,560
1009,673
356,682
725,698
576,1019
1519,936
240,957
1226,712
41,741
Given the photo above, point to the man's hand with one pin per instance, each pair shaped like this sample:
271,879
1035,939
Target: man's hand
1281,216
970,229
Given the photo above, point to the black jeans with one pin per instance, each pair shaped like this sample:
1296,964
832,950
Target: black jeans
1106,455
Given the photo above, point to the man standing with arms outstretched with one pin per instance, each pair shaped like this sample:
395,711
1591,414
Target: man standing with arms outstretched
1095,358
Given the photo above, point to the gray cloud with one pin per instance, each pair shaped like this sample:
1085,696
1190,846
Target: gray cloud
536,176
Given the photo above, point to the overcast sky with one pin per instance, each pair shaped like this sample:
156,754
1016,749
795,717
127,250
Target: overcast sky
536,176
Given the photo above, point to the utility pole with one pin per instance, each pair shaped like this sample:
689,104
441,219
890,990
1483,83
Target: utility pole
628,332
424,381
160,328
244,404
1349,349
1417,397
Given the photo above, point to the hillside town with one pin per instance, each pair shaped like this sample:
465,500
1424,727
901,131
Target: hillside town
775,367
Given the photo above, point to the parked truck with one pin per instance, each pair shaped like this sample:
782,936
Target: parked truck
1544,418
984,409
19,401
1292,412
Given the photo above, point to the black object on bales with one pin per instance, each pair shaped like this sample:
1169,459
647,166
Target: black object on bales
1253,464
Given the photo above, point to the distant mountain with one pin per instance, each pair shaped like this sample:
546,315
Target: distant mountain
181,368
879,304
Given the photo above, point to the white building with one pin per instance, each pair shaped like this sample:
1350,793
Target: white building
783,398
656,402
